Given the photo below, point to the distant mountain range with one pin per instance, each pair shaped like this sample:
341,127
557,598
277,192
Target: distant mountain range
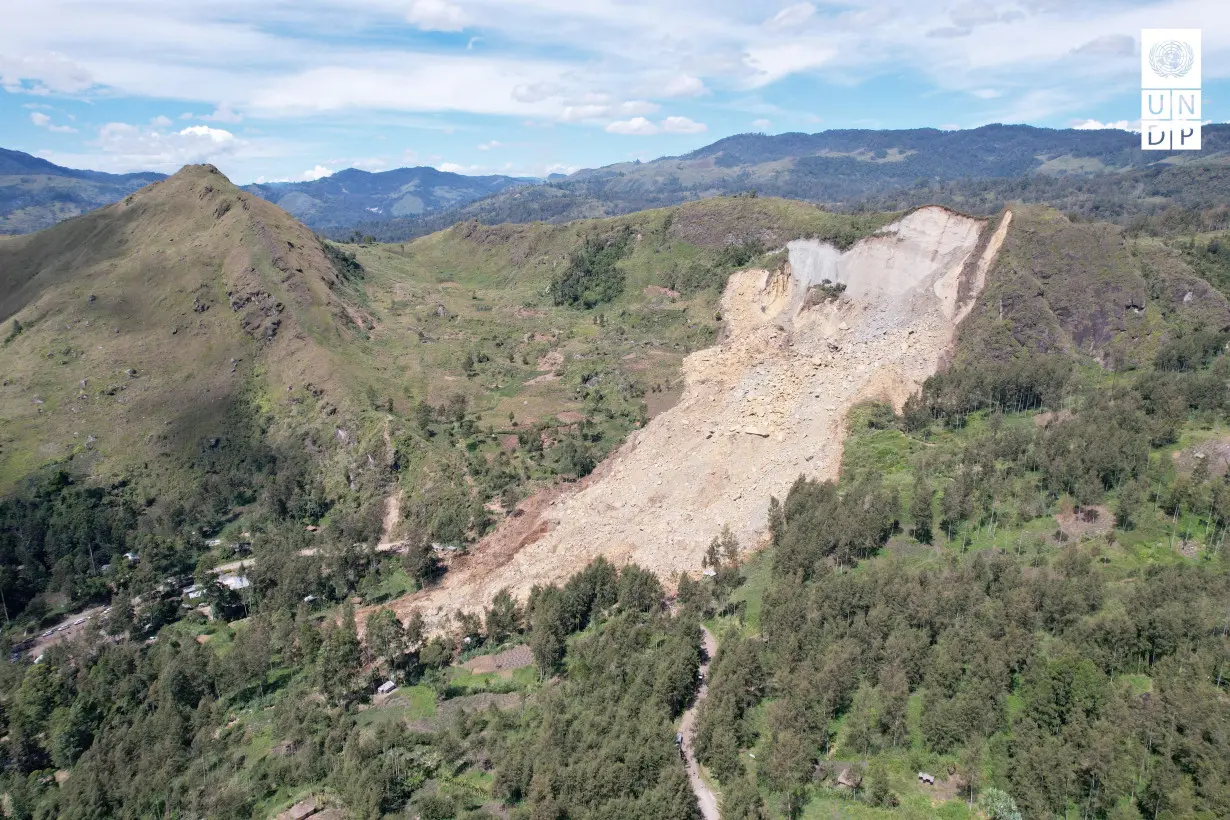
844,169
353,196
36,194
1100,173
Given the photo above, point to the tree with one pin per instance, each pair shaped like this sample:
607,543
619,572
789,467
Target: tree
921,512
863,720
971,769
421,563
415,629
894,699
879,789
503,618
741,800
423,414
385,636
999,805
546,631
252,653
338,660
72,731
639,589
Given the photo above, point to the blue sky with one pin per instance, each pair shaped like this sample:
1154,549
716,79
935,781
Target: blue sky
282,89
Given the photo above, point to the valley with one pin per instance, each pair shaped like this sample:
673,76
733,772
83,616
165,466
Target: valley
912,478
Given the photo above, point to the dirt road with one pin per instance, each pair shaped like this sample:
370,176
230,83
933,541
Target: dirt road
704,795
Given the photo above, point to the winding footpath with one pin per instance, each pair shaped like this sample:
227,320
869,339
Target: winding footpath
704,795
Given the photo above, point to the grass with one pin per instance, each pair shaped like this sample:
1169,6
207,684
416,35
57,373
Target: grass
391,584
416,702
470,683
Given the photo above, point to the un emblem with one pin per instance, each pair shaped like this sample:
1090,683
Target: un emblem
1171,58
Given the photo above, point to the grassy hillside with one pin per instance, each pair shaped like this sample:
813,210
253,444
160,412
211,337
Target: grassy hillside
135,333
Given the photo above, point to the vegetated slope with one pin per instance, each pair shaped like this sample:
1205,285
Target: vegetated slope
767,404
845,168
1087,290
262,382
352,196
147,333
484,344
36,194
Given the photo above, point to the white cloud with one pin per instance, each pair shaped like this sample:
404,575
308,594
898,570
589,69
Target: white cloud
187,115
42,73
638,126
406,82
223,113
454,168
319,172
790,17
471,42
217,136
682,85
987,93
123,147
350,59
761,125
44,121
604,110
161,121
642,127
775,61
683,125
1117,125
436,15
535,92
487,146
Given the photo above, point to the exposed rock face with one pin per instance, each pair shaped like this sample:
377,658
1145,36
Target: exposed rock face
766,405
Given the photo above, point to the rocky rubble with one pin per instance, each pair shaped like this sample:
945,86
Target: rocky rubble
766,405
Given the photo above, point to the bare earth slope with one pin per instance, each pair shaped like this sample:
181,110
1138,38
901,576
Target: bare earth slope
767,404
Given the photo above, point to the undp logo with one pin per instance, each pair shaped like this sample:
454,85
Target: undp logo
1170,115
1172,58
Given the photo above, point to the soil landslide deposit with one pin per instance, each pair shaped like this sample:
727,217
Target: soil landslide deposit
765,405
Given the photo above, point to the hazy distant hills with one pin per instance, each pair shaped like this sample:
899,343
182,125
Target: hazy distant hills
353,196
36,194
1102,174
848,167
